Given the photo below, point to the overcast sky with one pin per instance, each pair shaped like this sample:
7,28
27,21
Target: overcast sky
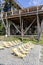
29,3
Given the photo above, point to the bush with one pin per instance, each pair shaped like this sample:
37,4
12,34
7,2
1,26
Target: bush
2,29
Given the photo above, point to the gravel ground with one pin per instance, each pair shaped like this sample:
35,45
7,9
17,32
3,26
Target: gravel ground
6,58
41,56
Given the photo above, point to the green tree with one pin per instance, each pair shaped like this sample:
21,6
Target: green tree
2,29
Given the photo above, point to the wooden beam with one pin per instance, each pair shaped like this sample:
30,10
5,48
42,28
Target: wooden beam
38,26
41,27
20,18
16,27
29,26
12,10
8,28
22,31
7,25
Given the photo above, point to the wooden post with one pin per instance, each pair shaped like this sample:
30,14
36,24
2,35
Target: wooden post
38,26
20,17
6,25
22,31
12,10
41,27
8,28
21,25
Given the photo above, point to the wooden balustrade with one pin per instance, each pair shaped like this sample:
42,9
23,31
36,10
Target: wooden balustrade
22,11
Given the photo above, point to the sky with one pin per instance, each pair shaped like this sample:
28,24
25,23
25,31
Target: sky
28,3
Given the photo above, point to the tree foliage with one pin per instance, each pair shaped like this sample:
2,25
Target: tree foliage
7,7
2,29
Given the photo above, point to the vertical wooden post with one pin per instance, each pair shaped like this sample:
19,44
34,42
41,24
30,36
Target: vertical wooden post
12,10
8,28
20,18
41,27
38,26
22,31
21,25
6,23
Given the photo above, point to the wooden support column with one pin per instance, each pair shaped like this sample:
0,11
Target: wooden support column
8,28
22,31
20,17
21,25
41,27
38,26
12,10
6,24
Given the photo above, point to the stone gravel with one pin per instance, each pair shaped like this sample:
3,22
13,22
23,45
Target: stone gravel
6,57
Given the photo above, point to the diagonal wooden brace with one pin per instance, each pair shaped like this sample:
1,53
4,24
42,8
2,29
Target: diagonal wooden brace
16,27
29,26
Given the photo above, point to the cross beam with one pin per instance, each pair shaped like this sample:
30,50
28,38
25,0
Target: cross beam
29,26
16,27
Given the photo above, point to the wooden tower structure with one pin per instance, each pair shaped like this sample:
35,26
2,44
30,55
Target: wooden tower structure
23,21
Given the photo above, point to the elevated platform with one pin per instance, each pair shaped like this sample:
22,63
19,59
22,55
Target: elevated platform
28,12
23,20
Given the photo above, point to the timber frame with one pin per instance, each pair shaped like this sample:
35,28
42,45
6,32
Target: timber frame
29,15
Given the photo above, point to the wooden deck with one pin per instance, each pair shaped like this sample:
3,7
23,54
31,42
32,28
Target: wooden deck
16,14
26,13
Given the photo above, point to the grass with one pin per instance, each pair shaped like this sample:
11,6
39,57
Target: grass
12,38
34,41
25,40
41,42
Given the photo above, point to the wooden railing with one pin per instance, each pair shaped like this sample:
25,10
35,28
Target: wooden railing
18,12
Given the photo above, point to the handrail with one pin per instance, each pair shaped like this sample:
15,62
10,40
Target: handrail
25,10
18,12
22,11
